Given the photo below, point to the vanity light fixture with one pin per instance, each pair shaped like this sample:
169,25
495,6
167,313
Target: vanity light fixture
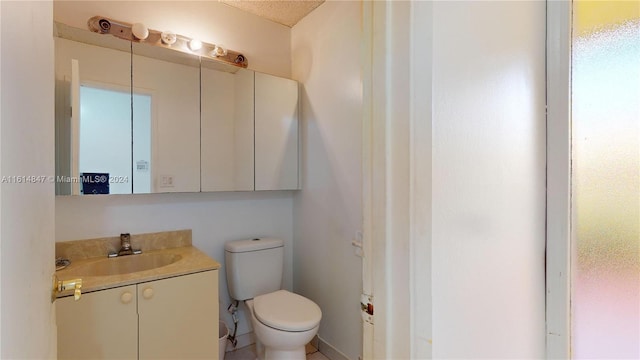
168,37
195,44
140,31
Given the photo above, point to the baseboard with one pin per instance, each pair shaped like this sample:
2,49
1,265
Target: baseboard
329,351
243,340
314,342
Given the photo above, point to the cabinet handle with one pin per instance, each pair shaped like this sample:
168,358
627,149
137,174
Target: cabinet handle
147,293
62,285
126,297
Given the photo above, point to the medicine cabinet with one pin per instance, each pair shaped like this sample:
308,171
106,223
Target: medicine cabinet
133,119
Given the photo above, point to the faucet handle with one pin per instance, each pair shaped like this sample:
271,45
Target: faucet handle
125,241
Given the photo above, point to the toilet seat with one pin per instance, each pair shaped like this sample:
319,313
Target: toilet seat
284,310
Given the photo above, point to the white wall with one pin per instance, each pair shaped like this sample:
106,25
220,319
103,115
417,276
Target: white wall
27,251
214,218
488,179
328,210
263,42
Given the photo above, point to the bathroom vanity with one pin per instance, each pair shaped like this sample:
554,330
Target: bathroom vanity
160,304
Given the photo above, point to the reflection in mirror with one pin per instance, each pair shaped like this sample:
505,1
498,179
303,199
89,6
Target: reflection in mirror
166,120
105,123
141,147
105,138
227,128
93,113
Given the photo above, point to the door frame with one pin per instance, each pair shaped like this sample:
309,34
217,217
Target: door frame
558,233
397,150
380,50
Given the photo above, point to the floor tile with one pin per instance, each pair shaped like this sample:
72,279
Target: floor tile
249,353
317,356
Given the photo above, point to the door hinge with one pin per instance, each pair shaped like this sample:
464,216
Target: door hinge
366,307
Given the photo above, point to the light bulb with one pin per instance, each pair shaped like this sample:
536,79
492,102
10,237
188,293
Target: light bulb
218,51
140,31
168,37
195,44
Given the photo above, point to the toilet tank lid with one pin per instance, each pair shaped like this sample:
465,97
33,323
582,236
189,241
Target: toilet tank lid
240,246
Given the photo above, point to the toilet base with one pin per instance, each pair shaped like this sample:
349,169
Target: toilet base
269,353
295,354
275,354
272,344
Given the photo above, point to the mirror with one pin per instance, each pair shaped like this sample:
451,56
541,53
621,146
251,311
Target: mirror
105,148
166,120
226,127
137,118
93,114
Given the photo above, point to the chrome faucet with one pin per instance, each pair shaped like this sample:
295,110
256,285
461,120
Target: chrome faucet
125,247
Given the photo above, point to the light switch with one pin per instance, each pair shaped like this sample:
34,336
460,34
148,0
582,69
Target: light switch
166,181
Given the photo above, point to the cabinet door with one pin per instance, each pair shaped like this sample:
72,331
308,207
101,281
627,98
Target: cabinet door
93,112
226,129
178,317
276,133
166,120
101,325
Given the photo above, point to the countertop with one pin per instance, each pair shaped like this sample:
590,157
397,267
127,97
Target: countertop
191,261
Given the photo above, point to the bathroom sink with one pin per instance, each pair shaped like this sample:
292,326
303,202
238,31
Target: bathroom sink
126,264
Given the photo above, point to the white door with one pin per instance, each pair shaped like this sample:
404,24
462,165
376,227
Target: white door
457,179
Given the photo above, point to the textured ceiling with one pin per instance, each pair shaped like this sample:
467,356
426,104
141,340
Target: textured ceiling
283,12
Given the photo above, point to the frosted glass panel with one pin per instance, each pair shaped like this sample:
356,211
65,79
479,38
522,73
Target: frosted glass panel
606,181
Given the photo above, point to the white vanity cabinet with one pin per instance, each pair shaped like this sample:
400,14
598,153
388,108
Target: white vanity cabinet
174,318
178,317
101,325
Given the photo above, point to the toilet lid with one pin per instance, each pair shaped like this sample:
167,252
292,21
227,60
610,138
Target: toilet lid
286,311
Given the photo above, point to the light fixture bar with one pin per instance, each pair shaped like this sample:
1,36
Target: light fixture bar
122,30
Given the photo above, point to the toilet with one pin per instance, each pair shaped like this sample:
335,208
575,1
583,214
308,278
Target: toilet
283,322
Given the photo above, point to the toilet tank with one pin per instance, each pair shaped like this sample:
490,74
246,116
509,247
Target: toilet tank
254,267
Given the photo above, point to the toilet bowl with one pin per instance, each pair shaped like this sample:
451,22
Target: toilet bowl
284,323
